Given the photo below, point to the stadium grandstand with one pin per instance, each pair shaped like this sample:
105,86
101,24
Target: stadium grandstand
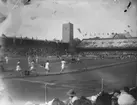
118,41
26,46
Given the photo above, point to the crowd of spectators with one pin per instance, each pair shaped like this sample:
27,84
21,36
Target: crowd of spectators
126,96
55,51
109,43
25,47
110,54
33,51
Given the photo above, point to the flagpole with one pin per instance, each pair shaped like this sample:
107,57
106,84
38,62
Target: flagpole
136,80
46,98
102,84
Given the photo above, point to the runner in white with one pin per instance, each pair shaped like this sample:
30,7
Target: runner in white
29,61
37,59
6,59
32,66
78,60
63,65
18,62
47,66
18,68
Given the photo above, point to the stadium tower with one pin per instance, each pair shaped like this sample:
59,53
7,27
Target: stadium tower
67,35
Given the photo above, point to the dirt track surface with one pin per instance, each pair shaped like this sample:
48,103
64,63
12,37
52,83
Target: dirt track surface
85,83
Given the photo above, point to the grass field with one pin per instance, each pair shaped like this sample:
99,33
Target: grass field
85,83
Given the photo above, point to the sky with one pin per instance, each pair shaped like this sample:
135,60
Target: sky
44,18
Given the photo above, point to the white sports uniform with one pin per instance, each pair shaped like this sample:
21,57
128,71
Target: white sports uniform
29,61
78,59
18,62
63,65
37,58
18,68
6,59
32,66
47,66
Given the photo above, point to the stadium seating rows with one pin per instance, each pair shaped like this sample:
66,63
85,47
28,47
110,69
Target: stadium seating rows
24,47
111,43
125,96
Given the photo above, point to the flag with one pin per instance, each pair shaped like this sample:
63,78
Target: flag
32,18
79,30
125,10
54,12
86,34
128,25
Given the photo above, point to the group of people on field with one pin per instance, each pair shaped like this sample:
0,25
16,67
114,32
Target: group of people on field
32,64
46,65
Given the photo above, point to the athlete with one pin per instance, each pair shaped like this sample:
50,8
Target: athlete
63,65
6,59
47,66
78,60
29,61
37,59
18,62
18,68
32,66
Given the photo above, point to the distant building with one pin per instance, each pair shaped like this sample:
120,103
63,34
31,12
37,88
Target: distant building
67,36
67,33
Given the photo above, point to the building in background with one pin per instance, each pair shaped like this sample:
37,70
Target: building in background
67,33
67,36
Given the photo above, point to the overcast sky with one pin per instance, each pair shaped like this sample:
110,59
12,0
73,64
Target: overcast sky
44,18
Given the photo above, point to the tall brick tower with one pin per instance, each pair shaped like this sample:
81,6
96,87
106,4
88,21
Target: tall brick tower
67,35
